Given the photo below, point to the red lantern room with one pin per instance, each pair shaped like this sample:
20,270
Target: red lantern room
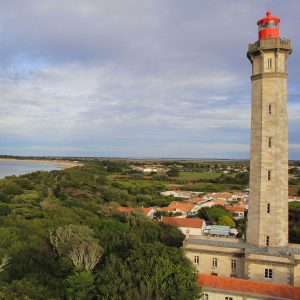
268,27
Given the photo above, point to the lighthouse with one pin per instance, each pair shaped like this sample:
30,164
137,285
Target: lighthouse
268,200
265,258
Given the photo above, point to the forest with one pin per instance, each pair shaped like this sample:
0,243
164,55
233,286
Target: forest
62,238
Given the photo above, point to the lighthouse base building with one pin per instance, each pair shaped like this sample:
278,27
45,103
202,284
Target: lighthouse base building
264,265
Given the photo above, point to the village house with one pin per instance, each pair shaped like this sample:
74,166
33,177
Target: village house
294,198
181,194
186,225
178,207
224,196
238,197
237,210
197,200
147,211
212,203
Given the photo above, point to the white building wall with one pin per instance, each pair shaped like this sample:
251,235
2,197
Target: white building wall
190,230
221,295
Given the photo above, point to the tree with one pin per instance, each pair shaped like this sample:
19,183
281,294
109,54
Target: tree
23,289
4,210
215,213
81,285
173,172
202,213
160,177
165,274
4,262
77,243
226,221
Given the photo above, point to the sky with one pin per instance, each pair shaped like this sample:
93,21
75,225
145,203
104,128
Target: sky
135,78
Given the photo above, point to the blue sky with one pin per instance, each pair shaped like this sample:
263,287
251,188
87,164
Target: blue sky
146,78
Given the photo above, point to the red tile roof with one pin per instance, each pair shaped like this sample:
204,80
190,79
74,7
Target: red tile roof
183,222
197,200
249,286
219,195
183,206
125,209
219,202
186,207
145,210
235,209
167,209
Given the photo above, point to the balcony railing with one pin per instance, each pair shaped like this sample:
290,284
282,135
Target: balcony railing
270,44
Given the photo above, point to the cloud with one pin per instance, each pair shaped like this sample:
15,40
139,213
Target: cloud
146,78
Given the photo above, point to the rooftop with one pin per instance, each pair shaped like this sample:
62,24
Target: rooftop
183,222
235,208
183,206
220,195
145,210
249,286
219,230
219,202
243,245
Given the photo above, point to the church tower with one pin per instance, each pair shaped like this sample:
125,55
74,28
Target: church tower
268,200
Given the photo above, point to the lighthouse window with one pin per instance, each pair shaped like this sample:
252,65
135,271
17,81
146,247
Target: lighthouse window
270,109
269,63
268,208
267,241
269,175
269,142
272,24
263,26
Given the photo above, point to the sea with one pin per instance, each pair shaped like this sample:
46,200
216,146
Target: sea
11,167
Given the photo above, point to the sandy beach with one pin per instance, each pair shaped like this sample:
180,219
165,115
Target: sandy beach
62,163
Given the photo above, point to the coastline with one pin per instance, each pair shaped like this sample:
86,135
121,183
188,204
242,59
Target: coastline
65,164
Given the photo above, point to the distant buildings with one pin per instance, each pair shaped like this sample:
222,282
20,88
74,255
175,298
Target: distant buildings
181,208
150,169
181,194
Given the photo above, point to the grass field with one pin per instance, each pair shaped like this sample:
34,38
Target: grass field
199,175
212,187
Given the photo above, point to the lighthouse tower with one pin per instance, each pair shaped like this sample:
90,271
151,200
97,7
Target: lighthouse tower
268,200
265,257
